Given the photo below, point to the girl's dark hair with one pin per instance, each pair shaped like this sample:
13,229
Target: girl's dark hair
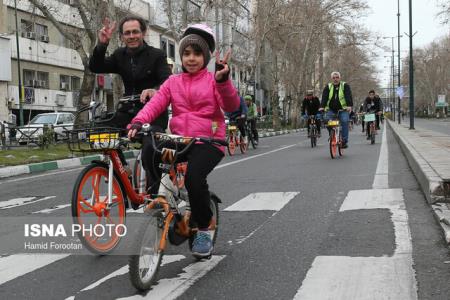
371,92
196,48
141,21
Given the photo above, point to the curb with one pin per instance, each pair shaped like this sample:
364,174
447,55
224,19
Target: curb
430,182
85,160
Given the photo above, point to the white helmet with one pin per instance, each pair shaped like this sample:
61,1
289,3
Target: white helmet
205,32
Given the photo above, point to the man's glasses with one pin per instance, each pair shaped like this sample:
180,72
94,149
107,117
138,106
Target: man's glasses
132,32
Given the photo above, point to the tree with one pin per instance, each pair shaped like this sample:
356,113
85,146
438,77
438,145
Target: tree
83,36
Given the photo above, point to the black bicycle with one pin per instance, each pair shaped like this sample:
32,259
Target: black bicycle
313,130
252,138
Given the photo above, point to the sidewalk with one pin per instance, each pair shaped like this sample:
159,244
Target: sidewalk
428,154
79,161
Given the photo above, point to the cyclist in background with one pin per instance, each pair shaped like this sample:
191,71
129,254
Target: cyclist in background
197,112
310,107
373,104
252,115
337,101
239,117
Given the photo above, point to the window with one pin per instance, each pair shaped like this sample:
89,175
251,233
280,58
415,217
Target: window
163,45
26,26
76,83
41,30
42,78
171,53
64,82
28,78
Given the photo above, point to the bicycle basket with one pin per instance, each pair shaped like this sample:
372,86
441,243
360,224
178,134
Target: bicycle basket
333,123
369,117
93,139
232,127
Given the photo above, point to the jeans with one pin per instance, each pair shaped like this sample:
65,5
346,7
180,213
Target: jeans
343,119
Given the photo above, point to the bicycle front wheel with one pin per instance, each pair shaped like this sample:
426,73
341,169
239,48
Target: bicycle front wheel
372,134
90,209
333,144
242,144
313,137
144,263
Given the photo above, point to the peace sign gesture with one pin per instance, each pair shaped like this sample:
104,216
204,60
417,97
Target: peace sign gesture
222,69
105,34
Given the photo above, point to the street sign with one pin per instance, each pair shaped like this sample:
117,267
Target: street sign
400,92
441,101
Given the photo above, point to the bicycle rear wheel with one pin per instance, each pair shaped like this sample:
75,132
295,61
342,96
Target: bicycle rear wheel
231,140
333,143
144,263
89,208
251,138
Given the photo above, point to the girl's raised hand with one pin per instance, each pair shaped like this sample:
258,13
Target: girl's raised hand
222,69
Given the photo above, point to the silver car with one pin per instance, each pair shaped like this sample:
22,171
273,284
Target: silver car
58,121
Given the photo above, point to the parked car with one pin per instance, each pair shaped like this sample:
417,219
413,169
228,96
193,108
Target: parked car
60,122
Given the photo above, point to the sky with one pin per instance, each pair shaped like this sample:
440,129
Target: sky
382,19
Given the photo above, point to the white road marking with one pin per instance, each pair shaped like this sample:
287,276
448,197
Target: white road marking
22,201
167,259
17,265
171,288
253,156
52,209
367,277
342,277
263,201
381,180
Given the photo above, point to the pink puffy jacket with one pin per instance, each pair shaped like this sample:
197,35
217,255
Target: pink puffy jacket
197,103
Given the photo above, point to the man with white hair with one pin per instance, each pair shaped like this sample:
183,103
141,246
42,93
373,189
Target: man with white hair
337,101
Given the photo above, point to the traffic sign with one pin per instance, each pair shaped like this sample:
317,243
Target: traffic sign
400,92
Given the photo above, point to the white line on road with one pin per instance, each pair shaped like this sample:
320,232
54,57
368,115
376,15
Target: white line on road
17,265
13,203
367,277
381,180
167,259
171,288
263,201
52,209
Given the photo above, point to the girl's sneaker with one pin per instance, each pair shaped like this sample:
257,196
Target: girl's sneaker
202,245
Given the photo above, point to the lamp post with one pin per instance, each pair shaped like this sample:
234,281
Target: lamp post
393,75
411,71
398,67
18,67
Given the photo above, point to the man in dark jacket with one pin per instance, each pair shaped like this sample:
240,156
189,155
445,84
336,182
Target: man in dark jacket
373,104
142,67
310,107
337,101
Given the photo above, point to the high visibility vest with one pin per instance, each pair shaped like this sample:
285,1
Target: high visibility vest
341,95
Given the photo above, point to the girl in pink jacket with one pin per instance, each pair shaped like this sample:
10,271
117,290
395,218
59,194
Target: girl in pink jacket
198,100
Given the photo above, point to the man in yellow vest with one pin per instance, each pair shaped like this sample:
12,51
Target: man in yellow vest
337,101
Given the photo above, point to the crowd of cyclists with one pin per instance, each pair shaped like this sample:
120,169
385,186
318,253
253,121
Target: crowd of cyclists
200,102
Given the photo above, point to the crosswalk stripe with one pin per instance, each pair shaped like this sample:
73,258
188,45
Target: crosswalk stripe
171,288
17,265
341,277
263,201
167,259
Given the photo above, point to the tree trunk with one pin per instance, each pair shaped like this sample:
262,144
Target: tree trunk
87,86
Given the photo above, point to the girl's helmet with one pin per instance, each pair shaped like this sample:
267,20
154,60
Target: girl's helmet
205,32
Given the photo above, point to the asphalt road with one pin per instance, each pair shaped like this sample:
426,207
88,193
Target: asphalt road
323,232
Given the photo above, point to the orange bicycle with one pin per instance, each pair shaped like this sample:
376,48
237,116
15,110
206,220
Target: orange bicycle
235,139
167,217
335,139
